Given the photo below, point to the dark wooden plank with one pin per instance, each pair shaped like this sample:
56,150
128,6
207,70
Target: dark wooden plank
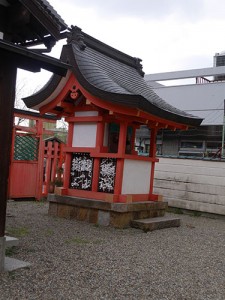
29,60
7,96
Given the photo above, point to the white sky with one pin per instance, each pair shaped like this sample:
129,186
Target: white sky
168,35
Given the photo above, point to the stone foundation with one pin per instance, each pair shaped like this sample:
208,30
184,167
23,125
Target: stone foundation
118,215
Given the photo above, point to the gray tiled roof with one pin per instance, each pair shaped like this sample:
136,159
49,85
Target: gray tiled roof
48,9
116,77
30,22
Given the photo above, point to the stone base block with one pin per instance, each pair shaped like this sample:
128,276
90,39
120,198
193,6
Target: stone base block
12,264
156,223
2,253
118,215
11,242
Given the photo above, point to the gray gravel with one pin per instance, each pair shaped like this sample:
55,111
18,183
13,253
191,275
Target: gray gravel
76,260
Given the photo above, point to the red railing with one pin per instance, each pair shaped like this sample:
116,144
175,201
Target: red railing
202,80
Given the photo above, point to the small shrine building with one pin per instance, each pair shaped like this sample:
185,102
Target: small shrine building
105,98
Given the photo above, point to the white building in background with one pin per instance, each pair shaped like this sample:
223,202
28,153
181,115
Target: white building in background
200,92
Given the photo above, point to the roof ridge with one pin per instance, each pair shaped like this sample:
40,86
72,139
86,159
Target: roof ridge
83,39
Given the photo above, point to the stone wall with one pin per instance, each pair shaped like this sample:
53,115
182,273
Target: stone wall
191,184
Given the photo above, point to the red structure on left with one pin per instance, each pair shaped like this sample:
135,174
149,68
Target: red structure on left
36,156
22,23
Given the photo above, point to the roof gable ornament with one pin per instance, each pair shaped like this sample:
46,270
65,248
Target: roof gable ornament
139,66
77,37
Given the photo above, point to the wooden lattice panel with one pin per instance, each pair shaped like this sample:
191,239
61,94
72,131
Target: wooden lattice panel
26,147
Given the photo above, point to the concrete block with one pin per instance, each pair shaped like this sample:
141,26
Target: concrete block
12,264
52,209
82,214
11,242
74,212
63,211
2,253
93,216
103,218
156,223
121,220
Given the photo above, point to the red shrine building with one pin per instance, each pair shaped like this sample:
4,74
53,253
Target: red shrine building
105,98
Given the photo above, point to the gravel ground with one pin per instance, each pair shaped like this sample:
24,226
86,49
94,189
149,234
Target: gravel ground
76,260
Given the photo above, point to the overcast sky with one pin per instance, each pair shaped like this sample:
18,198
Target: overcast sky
168,35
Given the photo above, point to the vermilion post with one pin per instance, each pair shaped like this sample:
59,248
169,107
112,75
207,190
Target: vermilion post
152,153
68,157
99,145
120,161
40,166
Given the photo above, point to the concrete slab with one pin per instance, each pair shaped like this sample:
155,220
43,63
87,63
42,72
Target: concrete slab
103,218
2,253
12,264
11,242
151,224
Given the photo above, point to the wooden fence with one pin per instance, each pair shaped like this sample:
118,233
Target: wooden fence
53,166
36,164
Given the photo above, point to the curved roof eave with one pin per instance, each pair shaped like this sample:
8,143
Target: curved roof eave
131,100
139,102
48,92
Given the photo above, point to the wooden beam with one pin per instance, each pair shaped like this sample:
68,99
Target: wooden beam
87,119
45,20
29,60
7,96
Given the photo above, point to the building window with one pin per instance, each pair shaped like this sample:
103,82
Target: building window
192,148
191,144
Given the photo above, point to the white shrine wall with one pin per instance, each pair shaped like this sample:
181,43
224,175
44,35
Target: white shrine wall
84,134
136,177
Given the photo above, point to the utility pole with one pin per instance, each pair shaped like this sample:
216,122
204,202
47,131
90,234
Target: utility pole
223,132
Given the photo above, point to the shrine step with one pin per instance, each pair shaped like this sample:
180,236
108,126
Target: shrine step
151,224
11,242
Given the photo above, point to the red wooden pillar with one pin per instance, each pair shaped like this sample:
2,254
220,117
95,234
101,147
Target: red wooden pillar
133,140
68,157
120,161
48,165
7,97
122,138
100,136
54,161
152,153
99,145
39,132
40,172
